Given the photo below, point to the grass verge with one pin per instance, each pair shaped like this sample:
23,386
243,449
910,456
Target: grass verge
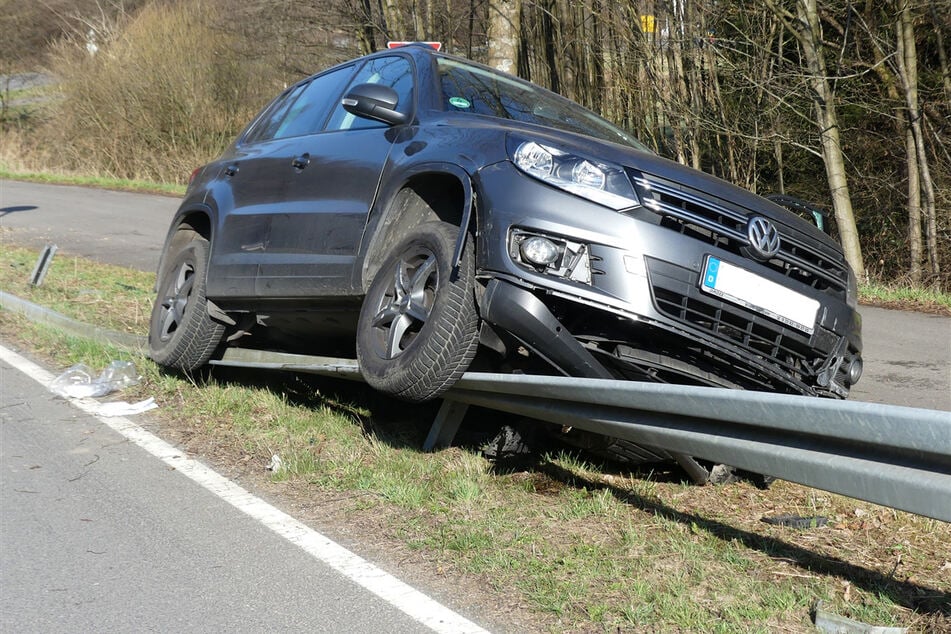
904,297
101,182
108,296
563,544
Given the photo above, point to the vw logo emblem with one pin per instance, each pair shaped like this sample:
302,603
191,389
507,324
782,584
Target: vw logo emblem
763,236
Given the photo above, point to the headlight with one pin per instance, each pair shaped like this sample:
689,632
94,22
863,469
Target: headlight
600,182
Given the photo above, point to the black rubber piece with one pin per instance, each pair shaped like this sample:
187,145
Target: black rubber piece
525,316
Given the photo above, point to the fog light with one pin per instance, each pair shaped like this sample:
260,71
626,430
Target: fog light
539,251
855,370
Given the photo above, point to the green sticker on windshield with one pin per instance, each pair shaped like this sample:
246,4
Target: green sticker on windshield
459,102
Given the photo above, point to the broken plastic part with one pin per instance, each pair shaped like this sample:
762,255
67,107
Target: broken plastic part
832,623
276,464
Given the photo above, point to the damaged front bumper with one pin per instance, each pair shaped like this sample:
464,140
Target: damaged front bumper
598,293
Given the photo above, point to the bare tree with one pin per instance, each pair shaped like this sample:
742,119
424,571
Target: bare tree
908,74
804,25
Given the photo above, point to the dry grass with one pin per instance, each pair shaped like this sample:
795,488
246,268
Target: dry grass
112,297
162,95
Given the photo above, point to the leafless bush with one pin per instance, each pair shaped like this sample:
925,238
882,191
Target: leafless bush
159,95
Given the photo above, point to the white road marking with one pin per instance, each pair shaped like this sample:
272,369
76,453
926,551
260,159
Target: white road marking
407,599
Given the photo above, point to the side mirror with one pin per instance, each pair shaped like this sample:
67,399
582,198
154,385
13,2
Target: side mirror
374,101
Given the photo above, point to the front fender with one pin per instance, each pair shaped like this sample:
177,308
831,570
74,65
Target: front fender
383,227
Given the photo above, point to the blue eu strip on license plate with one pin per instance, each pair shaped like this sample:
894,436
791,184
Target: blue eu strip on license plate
739,286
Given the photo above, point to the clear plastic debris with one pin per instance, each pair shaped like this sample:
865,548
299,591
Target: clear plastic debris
831,623
122,408
79,382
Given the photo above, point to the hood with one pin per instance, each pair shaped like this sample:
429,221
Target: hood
675,175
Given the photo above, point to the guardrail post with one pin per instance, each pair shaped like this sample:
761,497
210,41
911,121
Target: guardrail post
447,422
43,264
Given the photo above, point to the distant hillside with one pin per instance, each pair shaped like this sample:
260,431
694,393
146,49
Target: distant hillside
29,26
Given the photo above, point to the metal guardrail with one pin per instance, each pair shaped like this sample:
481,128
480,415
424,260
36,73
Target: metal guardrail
41,315
896,456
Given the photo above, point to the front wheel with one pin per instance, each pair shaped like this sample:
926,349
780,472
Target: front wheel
182,336
418,327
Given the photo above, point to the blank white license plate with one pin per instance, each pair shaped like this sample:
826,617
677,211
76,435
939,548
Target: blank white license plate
739,286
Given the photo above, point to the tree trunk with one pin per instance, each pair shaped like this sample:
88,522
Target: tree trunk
502,33
914,207
942,51
419,27
780,166
367,39
551,54
908,74
396,25
804,25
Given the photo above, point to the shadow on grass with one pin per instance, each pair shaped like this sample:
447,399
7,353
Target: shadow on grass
405,426
399,424
921,599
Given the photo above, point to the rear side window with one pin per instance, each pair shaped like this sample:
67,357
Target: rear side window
274,115
395,72
304,108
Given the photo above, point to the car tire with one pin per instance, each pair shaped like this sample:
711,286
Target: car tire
418,327
182,336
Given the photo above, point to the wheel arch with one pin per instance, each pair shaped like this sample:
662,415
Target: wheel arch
197,220
429,192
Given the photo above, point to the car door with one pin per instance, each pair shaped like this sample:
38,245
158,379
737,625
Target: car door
250,181
314,236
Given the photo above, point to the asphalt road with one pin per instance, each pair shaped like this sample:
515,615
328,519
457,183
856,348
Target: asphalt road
907,359
907,355
96,535
113,227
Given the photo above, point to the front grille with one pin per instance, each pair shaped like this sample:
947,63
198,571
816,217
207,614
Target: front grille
676,295
691,214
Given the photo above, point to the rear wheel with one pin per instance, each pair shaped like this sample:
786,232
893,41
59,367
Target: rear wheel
418,328
182,335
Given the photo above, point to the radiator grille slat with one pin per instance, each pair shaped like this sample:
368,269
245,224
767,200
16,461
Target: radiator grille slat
711,222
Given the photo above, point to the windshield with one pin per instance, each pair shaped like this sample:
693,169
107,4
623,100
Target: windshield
482,91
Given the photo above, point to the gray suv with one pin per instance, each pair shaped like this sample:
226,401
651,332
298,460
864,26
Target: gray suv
427,215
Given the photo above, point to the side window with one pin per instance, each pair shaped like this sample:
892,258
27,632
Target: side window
269,123
395,72
302,109
310,109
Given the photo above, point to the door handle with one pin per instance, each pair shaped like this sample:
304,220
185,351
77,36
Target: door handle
301,161
231,170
